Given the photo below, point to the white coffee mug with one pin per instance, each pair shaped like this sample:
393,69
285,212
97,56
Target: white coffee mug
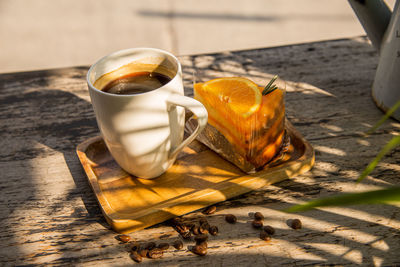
144,131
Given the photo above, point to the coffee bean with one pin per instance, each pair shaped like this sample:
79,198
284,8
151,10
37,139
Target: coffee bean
143,252
186,235
269,229
265,236
181,228
230,218
190,226
258,216
178,244
203,244
155,253
205,225
187,226
213,230
124,238
210,210
135,246
203,229
195,230
199,250
163,246
136,257
296,224
201,238
257,224
150,245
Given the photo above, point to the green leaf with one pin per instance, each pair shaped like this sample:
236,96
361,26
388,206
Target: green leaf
270,86
382,196
394,142
384,118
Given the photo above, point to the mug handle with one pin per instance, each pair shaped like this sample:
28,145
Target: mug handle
198,110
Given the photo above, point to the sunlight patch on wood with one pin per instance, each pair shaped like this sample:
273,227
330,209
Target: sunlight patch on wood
395,124
394,167
331,127
330,150
377,260
385,221
326,167
305,88
363,142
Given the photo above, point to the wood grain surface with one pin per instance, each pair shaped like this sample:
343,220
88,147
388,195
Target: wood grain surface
49,215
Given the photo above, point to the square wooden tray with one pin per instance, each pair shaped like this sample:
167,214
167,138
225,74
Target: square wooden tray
197,179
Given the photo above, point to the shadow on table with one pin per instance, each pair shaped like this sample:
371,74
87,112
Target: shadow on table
238,16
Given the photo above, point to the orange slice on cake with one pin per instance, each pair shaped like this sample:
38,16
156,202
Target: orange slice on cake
241,95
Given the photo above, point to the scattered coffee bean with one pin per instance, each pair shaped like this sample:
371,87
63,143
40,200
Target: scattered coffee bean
155,253
203,244
124,238
186,235
178,244
257,224
230,218
205,225
296,224
190,226
150,245
143,252
269,229
181,228
258,216
135,246
210,210
151,250
213,230
199,250
195,230
265,236
201,238
187,226
163,246
203,229
135,256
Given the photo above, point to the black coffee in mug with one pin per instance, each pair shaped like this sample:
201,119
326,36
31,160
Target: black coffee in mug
135,83
134,78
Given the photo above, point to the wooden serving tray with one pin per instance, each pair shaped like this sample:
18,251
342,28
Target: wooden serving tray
197,179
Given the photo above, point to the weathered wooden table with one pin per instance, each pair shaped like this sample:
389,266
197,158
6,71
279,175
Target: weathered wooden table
50,216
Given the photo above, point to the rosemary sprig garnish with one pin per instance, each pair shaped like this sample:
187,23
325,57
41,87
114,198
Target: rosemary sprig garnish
270,86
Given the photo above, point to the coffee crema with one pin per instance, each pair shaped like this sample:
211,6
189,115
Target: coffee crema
135,78
136,83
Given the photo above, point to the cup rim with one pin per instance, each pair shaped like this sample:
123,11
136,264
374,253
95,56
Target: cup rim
179,69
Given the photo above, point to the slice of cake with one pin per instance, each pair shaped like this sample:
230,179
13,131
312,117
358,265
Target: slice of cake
246,123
